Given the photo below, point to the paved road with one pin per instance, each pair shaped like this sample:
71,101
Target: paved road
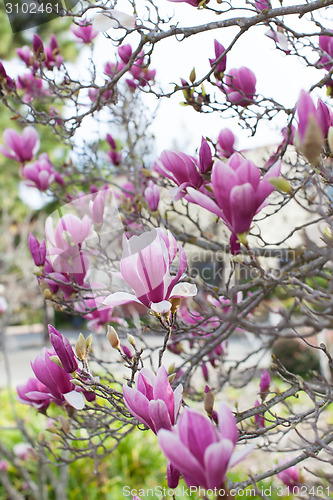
22,348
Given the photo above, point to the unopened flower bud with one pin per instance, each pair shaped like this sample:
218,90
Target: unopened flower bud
113,338
131,339
208,401
171,368
280,184
80,347
330,139
89,342
47,294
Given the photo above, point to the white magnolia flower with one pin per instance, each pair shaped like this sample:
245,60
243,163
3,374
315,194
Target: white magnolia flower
113,19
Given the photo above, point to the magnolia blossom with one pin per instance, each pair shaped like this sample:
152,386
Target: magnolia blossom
53,57
153,402
145,266
259,419
152,196
32,87
239,193
184,170
125,52
6,82
53,384
63,349
66,261
312,125
290,477
262,4
199,450
84,31
41,173
37,250
221,65
326,45
265,381
225,144
240,86
22,147
26,55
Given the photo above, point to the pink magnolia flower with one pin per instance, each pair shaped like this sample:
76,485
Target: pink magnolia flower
145,266
27,57
84,31
326,45
184,170
18,147
259,419
32,87
64,350
37,250
114,157
97,207
35,394
311,127
240,86
41,173
66,261
70,230
6,82
38,46
53,384
199,450
125,52
104,97
239,192
221,65
262,5
225,144
53,57
290,477
152,196
265,381
153,402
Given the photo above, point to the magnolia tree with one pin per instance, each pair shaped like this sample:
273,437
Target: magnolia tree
173,256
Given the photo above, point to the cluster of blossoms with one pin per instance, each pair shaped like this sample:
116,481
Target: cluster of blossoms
40,56
23,148
196,449
234,191
140,74
239,85
54,369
